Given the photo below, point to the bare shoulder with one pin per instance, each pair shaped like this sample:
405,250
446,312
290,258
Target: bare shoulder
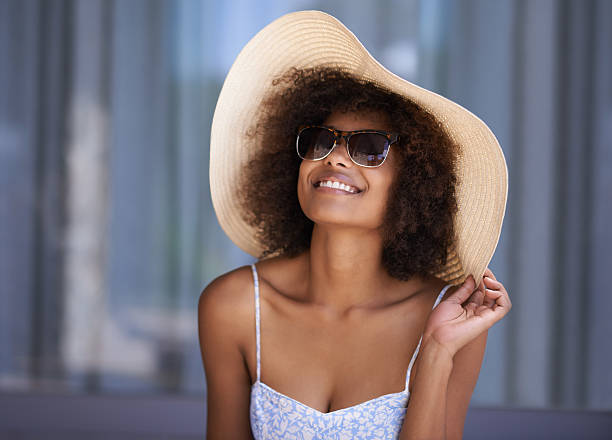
224,307
229,289
226,304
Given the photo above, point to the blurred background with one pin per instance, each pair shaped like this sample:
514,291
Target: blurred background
108,236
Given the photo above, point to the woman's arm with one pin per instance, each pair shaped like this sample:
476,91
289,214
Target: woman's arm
465,367
450,358
227,378
426,412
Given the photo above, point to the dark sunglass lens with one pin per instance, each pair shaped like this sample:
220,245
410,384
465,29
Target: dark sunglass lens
314,143
368,149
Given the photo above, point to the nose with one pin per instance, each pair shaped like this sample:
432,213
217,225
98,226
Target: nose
339,155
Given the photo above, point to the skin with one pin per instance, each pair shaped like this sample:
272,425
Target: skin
335,317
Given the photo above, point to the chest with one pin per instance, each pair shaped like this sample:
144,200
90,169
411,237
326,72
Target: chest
331,364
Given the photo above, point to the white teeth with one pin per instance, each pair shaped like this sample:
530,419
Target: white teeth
337,185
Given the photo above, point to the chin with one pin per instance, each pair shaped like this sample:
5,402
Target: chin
331,211
328,219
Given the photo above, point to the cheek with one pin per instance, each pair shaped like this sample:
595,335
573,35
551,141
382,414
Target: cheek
382,188
382,182
391,174
302,183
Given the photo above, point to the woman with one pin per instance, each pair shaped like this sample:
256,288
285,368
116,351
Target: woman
370,202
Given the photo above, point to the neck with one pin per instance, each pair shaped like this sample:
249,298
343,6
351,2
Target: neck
346,270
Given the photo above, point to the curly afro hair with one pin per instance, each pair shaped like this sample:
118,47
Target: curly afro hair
418,228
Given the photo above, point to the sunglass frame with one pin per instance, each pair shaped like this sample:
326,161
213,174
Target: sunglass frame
346,135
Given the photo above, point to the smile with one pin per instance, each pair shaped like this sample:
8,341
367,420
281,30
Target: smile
337,185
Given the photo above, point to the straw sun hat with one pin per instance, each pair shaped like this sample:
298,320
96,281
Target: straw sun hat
313,38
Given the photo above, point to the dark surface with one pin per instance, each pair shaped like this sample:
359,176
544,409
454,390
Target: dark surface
67,417
500,424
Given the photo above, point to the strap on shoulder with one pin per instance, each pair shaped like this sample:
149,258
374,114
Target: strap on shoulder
440,295
416,351
257,335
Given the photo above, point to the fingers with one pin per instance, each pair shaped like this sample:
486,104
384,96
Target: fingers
489,295
496,295
474,301
464,291
489,284
501,301
481,288
477,297
489,274
492,283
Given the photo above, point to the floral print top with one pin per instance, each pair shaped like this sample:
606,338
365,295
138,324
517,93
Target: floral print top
276,416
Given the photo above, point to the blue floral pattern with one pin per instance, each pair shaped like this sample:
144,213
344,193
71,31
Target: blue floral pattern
276,416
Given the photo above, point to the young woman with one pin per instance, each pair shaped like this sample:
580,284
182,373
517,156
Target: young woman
363,317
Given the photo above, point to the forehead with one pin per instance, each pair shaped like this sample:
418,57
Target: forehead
364,120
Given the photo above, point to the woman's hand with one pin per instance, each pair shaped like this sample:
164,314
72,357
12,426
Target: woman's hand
467,313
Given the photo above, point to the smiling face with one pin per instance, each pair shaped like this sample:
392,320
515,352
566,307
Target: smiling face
362,200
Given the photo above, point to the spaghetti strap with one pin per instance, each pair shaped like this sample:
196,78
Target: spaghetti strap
442,292
416,351
257,336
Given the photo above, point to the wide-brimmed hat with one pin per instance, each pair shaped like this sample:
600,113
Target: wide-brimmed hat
312,38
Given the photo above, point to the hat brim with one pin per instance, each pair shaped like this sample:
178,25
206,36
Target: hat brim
313,38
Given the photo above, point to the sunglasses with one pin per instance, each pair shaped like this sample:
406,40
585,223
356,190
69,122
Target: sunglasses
367,148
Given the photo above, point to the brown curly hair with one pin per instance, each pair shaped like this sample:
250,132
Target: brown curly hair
418,227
